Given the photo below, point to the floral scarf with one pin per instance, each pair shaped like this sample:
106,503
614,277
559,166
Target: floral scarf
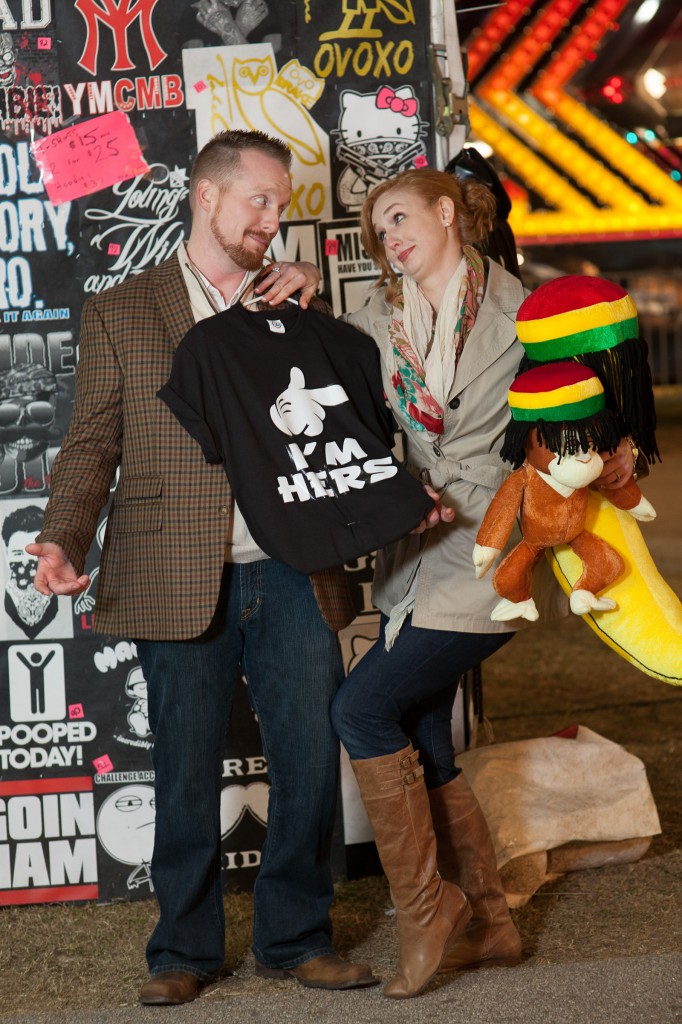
425,355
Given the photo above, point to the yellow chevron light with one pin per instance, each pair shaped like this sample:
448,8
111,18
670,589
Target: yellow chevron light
599,205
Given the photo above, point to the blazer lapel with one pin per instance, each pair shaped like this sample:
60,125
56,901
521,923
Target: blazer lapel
174,304
495,328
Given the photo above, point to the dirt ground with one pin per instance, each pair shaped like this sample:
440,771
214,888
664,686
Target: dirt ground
51,956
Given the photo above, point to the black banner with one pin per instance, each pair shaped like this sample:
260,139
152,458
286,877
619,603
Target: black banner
350,93
377,101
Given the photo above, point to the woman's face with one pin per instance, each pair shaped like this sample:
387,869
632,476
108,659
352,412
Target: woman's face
416,236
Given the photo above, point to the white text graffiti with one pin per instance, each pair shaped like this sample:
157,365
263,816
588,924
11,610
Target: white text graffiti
56,351
338,476
26,820
67,737
27,225
28,18
146,225
154,93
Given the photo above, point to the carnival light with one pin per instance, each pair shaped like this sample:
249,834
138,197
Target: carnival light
534,145
646,12
654,82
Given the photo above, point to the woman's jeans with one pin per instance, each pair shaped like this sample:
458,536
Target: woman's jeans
268,621
392,698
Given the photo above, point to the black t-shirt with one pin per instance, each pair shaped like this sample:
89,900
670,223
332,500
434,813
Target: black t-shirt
291,402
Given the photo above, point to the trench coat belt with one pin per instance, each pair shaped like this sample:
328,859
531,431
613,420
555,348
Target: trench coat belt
474,471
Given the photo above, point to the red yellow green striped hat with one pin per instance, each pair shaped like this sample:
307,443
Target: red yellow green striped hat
565,405
556,392
575,315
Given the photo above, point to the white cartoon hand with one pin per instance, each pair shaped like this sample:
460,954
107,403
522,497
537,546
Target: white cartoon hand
299,410
85,602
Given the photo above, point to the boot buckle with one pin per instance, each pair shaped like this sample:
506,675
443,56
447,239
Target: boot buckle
410,760
409,778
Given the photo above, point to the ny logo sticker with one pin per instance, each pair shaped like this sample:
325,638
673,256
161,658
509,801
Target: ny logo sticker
118,17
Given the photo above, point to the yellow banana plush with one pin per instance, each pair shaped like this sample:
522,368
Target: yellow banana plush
646,625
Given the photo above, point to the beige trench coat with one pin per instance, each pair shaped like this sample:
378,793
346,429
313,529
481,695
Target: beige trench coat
465,467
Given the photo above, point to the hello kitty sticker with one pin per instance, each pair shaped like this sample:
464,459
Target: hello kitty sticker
379,134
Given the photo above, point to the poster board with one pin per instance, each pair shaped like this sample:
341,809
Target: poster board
102,108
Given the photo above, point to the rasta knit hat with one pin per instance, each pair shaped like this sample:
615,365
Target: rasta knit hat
594,321
574,315
565,404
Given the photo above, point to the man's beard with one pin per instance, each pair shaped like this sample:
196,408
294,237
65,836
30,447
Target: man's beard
245,258
30,605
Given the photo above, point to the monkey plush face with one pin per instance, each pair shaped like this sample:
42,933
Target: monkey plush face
576,470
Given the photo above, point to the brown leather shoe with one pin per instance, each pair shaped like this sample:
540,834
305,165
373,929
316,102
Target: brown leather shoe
328,971
168,988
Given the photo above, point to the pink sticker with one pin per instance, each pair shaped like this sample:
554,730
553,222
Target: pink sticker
421,161
331,247
44,43
200,86
88,157
114,249
103,764
76,711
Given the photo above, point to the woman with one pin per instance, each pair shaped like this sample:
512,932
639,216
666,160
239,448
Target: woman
445,330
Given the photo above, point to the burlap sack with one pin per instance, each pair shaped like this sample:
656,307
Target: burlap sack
584,798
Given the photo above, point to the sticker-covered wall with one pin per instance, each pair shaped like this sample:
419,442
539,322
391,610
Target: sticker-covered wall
103,104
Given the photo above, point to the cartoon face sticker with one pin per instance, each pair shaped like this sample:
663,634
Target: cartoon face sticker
29,609
19,529
378,135
8,61
138,715
125,824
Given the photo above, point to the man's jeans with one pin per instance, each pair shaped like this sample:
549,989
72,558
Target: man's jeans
268,620
406,695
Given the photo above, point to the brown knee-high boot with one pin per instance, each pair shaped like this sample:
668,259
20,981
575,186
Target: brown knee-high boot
430,912
466,856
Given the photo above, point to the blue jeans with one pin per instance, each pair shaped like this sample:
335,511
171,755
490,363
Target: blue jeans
405,695
267,619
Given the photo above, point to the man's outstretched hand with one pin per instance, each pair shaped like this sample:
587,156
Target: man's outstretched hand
55,574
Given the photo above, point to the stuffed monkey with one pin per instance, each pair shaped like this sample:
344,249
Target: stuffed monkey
559,424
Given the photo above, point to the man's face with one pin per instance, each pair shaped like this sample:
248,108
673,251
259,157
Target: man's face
247,212
22,566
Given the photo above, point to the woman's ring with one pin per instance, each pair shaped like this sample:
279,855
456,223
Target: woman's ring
617,477
276,270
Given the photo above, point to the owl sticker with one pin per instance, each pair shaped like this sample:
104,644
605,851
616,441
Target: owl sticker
266,108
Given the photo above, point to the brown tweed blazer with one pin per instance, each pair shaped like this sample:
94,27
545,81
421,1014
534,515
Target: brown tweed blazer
164,546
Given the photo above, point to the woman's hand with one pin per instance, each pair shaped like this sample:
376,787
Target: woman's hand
440,513
280,280
618,467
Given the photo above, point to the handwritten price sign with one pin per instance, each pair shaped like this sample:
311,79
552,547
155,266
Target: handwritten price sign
88,157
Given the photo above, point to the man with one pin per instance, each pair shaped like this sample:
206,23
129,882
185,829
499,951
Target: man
181,575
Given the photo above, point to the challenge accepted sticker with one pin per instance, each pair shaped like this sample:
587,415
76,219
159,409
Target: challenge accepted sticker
88,157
